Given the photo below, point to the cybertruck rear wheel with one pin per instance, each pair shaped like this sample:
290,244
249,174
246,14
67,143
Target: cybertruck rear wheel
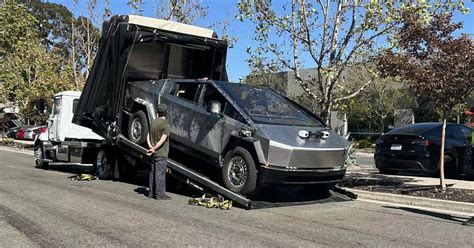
138,128
239,173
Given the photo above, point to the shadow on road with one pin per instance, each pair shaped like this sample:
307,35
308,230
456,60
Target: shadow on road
280,196
355,179
442,216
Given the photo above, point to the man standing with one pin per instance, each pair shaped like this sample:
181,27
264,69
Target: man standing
159,146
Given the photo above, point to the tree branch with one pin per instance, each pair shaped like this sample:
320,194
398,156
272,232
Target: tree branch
355,93
350,33
335,33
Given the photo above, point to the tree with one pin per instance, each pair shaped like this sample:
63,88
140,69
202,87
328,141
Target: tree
330,35
384,96
53,23
14,20
433,61
29,71
75,40
183,11
136,6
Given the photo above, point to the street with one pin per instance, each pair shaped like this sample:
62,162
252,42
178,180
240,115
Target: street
46,209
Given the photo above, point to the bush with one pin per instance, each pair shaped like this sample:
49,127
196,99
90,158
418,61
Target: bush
6,140
364,144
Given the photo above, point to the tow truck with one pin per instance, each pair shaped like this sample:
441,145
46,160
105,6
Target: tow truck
132,48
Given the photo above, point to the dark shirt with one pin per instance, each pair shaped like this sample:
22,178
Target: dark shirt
158,128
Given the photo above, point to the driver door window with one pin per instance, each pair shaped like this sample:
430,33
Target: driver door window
211,94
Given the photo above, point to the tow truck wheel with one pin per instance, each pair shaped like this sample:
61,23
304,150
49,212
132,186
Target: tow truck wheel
239,173
102,165
138,128
39,157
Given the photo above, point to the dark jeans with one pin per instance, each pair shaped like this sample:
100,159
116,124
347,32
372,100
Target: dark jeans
157,179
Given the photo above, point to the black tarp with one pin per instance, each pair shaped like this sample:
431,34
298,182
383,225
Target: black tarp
99,106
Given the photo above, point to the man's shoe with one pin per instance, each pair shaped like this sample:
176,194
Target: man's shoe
150,196
165,197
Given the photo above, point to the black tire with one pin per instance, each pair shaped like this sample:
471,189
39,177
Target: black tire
102,164
239,173
138,128
38,154
388,172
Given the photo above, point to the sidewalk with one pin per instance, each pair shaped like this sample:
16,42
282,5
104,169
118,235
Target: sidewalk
406,179
24,144
366,170
409,190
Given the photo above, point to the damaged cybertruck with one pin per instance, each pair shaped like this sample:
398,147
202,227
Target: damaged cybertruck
254,136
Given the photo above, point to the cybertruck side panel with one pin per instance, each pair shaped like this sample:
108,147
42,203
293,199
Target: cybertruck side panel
193,126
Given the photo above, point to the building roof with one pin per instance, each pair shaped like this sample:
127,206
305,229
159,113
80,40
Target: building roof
171,26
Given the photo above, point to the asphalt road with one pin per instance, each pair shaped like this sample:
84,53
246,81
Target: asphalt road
40,208
365,160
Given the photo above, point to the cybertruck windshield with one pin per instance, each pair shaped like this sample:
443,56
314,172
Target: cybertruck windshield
266,106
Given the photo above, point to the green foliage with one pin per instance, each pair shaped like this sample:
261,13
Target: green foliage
53,23
18,27
136,6
29,71
351,159
364,144
436,63
6,141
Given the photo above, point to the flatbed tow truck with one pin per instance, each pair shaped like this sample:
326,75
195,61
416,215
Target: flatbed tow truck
134,48
67,144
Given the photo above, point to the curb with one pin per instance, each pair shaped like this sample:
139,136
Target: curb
16,149
364,155
443,205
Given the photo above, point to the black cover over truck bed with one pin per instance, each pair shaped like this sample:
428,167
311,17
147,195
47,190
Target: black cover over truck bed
138,48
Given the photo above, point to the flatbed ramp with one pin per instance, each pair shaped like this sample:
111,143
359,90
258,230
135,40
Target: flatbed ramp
205,184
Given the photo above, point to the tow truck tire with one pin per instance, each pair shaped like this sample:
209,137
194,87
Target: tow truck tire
138,128
38,155
103,168
239,173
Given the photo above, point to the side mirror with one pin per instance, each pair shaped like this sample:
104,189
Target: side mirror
214,107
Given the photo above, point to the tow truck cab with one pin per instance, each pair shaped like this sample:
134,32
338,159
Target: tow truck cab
66,143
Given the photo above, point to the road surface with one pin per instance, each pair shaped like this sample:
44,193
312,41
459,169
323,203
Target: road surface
43,208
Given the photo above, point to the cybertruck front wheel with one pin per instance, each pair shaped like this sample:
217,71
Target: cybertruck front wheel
239,173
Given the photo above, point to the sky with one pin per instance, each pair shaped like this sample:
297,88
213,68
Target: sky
221,10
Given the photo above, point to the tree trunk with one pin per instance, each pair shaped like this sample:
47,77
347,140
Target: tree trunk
381,125
345,131
441,158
